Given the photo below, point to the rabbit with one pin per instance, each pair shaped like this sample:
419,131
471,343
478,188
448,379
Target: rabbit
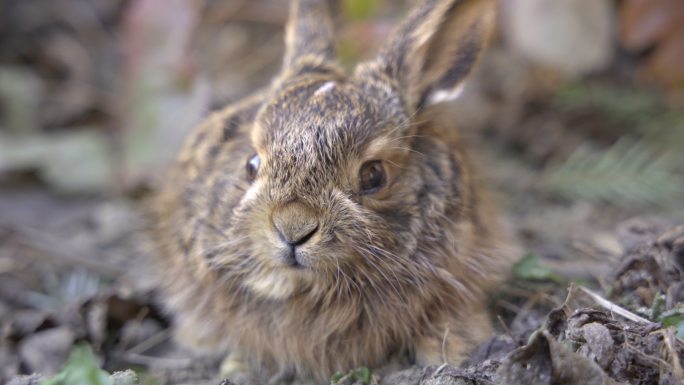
328,222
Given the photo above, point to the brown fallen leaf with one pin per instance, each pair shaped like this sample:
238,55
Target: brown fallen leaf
545,361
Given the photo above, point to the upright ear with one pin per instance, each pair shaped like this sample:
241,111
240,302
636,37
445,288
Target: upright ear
435,49
309,32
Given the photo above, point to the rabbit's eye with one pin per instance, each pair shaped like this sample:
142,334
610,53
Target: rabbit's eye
253,167
372,177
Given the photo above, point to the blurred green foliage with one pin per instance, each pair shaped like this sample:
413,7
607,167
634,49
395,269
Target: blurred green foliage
529,269
75,161
359,35
361,375
644,166
658,312
360,9
82,368
630,171
675,318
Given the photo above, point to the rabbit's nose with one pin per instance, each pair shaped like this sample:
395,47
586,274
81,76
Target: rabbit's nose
295,223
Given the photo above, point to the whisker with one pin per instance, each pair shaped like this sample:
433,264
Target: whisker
408,149
211,226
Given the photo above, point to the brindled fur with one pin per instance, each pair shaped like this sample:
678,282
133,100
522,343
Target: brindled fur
402,272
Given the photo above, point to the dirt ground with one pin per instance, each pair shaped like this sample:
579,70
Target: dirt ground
587,170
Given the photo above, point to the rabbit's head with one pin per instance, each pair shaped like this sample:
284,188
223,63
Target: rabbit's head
340,180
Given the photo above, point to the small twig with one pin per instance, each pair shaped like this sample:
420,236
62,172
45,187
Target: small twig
513,308
444,342
150,342
651,359
150,361
674,357
595,252
50,246
533,300
506,328
136,322
610,306
439,369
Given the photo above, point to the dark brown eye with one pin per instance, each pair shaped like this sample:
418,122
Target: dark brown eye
372,177
253,167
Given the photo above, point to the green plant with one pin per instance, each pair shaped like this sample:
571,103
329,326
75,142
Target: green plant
644,166
361,375
628,170
82,368
529,269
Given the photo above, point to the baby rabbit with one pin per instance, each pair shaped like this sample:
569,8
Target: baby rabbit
328,222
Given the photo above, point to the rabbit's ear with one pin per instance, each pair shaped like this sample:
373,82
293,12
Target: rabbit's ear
436,48
309,31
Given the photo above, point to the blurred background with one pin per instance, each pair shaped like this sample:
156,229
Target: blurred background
576,115
95,95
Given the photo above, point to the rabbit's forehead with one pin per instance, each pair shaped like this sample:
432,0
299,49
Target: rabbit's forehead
328,115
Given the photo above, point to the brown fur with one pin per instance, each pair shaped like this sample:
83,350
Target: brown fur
398,273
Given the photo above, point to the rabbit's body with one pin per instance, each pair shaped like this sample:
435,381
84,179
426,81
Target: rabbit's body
356,232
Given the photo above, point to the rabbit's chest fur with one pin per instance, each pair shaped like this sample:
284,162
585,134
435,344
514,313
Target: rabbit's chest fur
309,338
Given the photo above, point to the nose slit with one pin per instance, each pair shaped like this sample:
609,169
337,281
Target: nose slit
305,238
294,223
295,236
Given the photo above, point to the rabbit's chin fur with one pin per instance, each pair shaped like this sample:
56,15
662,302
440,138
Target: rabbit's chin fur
272,242
279,283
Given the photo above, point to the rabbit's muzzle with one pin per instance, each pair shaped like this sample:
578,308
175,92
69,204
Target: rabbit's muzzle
295,225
